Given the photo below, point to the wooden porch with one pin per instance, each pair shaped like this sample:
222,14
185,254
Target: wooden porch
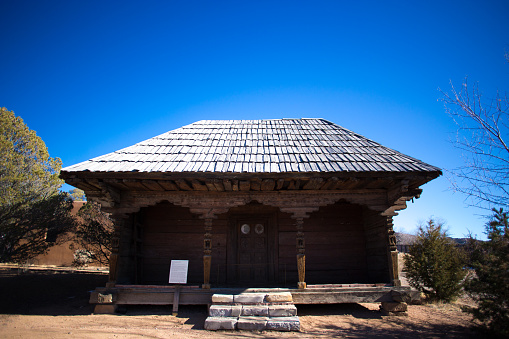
194,295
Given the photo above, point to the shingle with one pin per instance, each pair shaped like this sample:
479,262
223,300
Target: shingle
256,146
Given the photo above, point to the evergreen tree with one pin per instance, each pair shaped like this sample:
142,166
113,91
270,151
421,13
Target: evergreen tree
490,284
77,194
434,264
32,210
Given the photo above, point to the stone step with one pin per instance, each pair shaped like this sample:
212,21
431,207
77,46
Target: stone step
252,298
253,312
253,323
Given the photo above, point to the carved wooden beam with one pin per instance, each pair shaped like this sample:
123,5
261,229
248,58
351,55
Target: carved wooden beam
399,202
299,204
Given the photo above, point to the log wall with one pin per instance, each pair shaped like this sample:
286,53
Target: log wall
345,243
375,226
171,233
335,245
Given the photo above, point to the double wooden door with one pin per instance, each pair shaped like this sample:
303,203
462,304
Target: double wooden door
253,263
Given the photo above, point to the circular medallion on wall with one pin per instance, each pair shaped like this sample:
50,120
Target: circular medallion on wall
245,229
259,228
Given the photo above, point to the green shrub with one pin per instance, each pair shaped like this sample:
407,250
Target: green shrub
434,265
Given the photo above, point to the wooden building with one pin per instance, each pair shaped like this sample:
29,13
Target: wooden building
287,203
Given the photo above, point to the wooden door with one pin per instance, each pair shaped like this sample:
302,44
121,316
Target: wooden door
253,265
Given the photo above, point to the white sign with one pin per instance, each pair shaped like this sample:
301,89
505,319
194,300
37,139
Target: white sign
178,271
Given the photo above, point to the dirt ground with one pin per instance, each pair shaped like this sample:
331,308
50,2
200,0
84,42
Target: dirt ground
54,304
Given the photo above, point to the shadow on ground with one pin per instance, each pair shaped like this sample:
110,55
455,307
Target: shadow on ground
54,293
355,310
194,315
47,292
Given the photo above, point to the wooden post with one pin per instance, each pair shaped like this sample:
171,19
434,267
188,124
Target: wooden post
176,300
115,248
301,253
393,253
207,253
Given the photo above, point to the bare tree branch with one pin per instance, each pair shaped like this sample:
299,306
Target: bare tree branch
482,136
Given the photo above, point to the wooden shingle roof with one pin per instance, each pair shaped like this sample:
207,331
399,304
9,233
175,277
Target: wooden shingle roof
255,146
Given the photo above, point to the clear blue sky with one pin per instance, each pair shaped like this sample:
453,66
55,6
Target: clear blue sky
92,77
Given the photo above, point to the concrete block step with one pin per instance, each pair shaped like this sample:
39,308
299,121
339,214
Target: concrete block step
252,298
253,323
225,310
283,324
221,323
282,310
252,310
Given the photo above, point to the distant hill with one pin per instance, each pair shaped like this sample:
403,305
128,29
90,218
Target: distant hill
405,239
409,239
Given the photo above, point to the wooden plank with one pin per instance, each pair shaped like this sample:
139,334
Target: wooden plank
134,184
337,184
329,183
178,241
168,185
157,272
183,185
294,184
244,185
341,297
339,262
279,184
313,184
176,297
116,183
219,185
164,295
198,186
83,185
268,184
152,185
94,182
227,185
351,183
256,184
210,185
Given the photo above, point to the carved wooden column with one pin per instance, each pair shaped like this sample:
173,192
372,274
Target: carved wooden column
301,253
207,253
393,253
299,213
